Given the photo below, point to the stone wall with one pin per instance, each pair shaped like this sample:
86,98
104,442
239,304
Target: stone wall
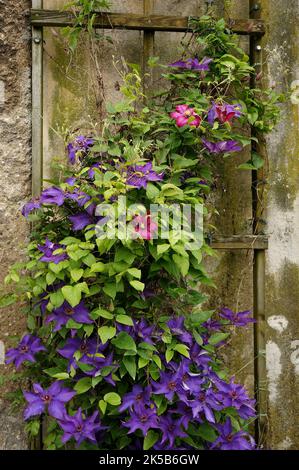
280,55
15,169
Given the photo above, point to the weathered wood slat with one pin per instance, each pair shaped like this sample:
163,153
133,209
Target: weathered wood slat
138,22
249,242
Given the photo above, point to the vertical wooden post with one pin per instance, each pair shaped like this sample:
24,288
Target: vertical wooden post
148,45
37,133
259,271
37,104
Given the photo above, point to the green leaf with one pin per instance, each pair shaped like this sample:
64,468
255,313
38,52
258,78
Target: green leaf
207,432
110,289
162,248
152,191
150,439
61,376
112,398
124,341
134,272
76,274
124,320
103,406
137,285
182,349
102,312
130,364
217,338
169,355
106,333
182,263
97,267
83,385
72,294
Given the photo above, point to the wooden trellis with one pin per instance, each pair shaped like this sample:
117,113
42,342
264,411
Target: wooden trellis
149,23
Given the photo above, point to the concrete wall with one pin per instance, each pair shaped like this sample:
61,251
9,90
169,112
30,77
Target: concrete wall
281,67
72,100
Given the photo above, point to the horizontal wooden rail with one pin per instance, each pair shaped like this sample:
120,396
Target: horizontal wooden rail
138,22
248,242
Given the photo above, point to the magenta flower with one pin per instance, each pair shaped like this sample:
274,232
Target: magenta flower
237,318
63,314
224,112
80,145
25,351
52,399
145,227
31,206
140,175
143,419
171,429
228,440
184,115
225,146
48,250
193,64
81,428
53,196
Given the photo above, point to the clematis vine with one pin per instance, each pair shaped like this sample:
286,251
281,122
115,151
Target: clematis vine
140,175
237,318
61,315
26,350
193,64
52,399
186,116
49,252
81,428
224,112
79,146
226,146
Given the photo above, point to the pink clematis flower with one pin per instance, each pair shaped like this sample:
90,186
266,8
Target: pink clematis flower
145,227
185,116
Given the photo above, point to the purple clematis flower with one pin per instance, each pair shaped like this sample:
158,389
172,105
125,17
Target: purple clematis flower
87,347
169,384
48,250
98,361
140,175
80,221
71,181
137,399
53,399
225,146
79,197
199,356
143,419
212,325
139,331
193,64
206,402
185,413
228,440
63,314
171,429
31,206
238,318
52,195
224,112
25,351
235,396
81,144
81,428
176,326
